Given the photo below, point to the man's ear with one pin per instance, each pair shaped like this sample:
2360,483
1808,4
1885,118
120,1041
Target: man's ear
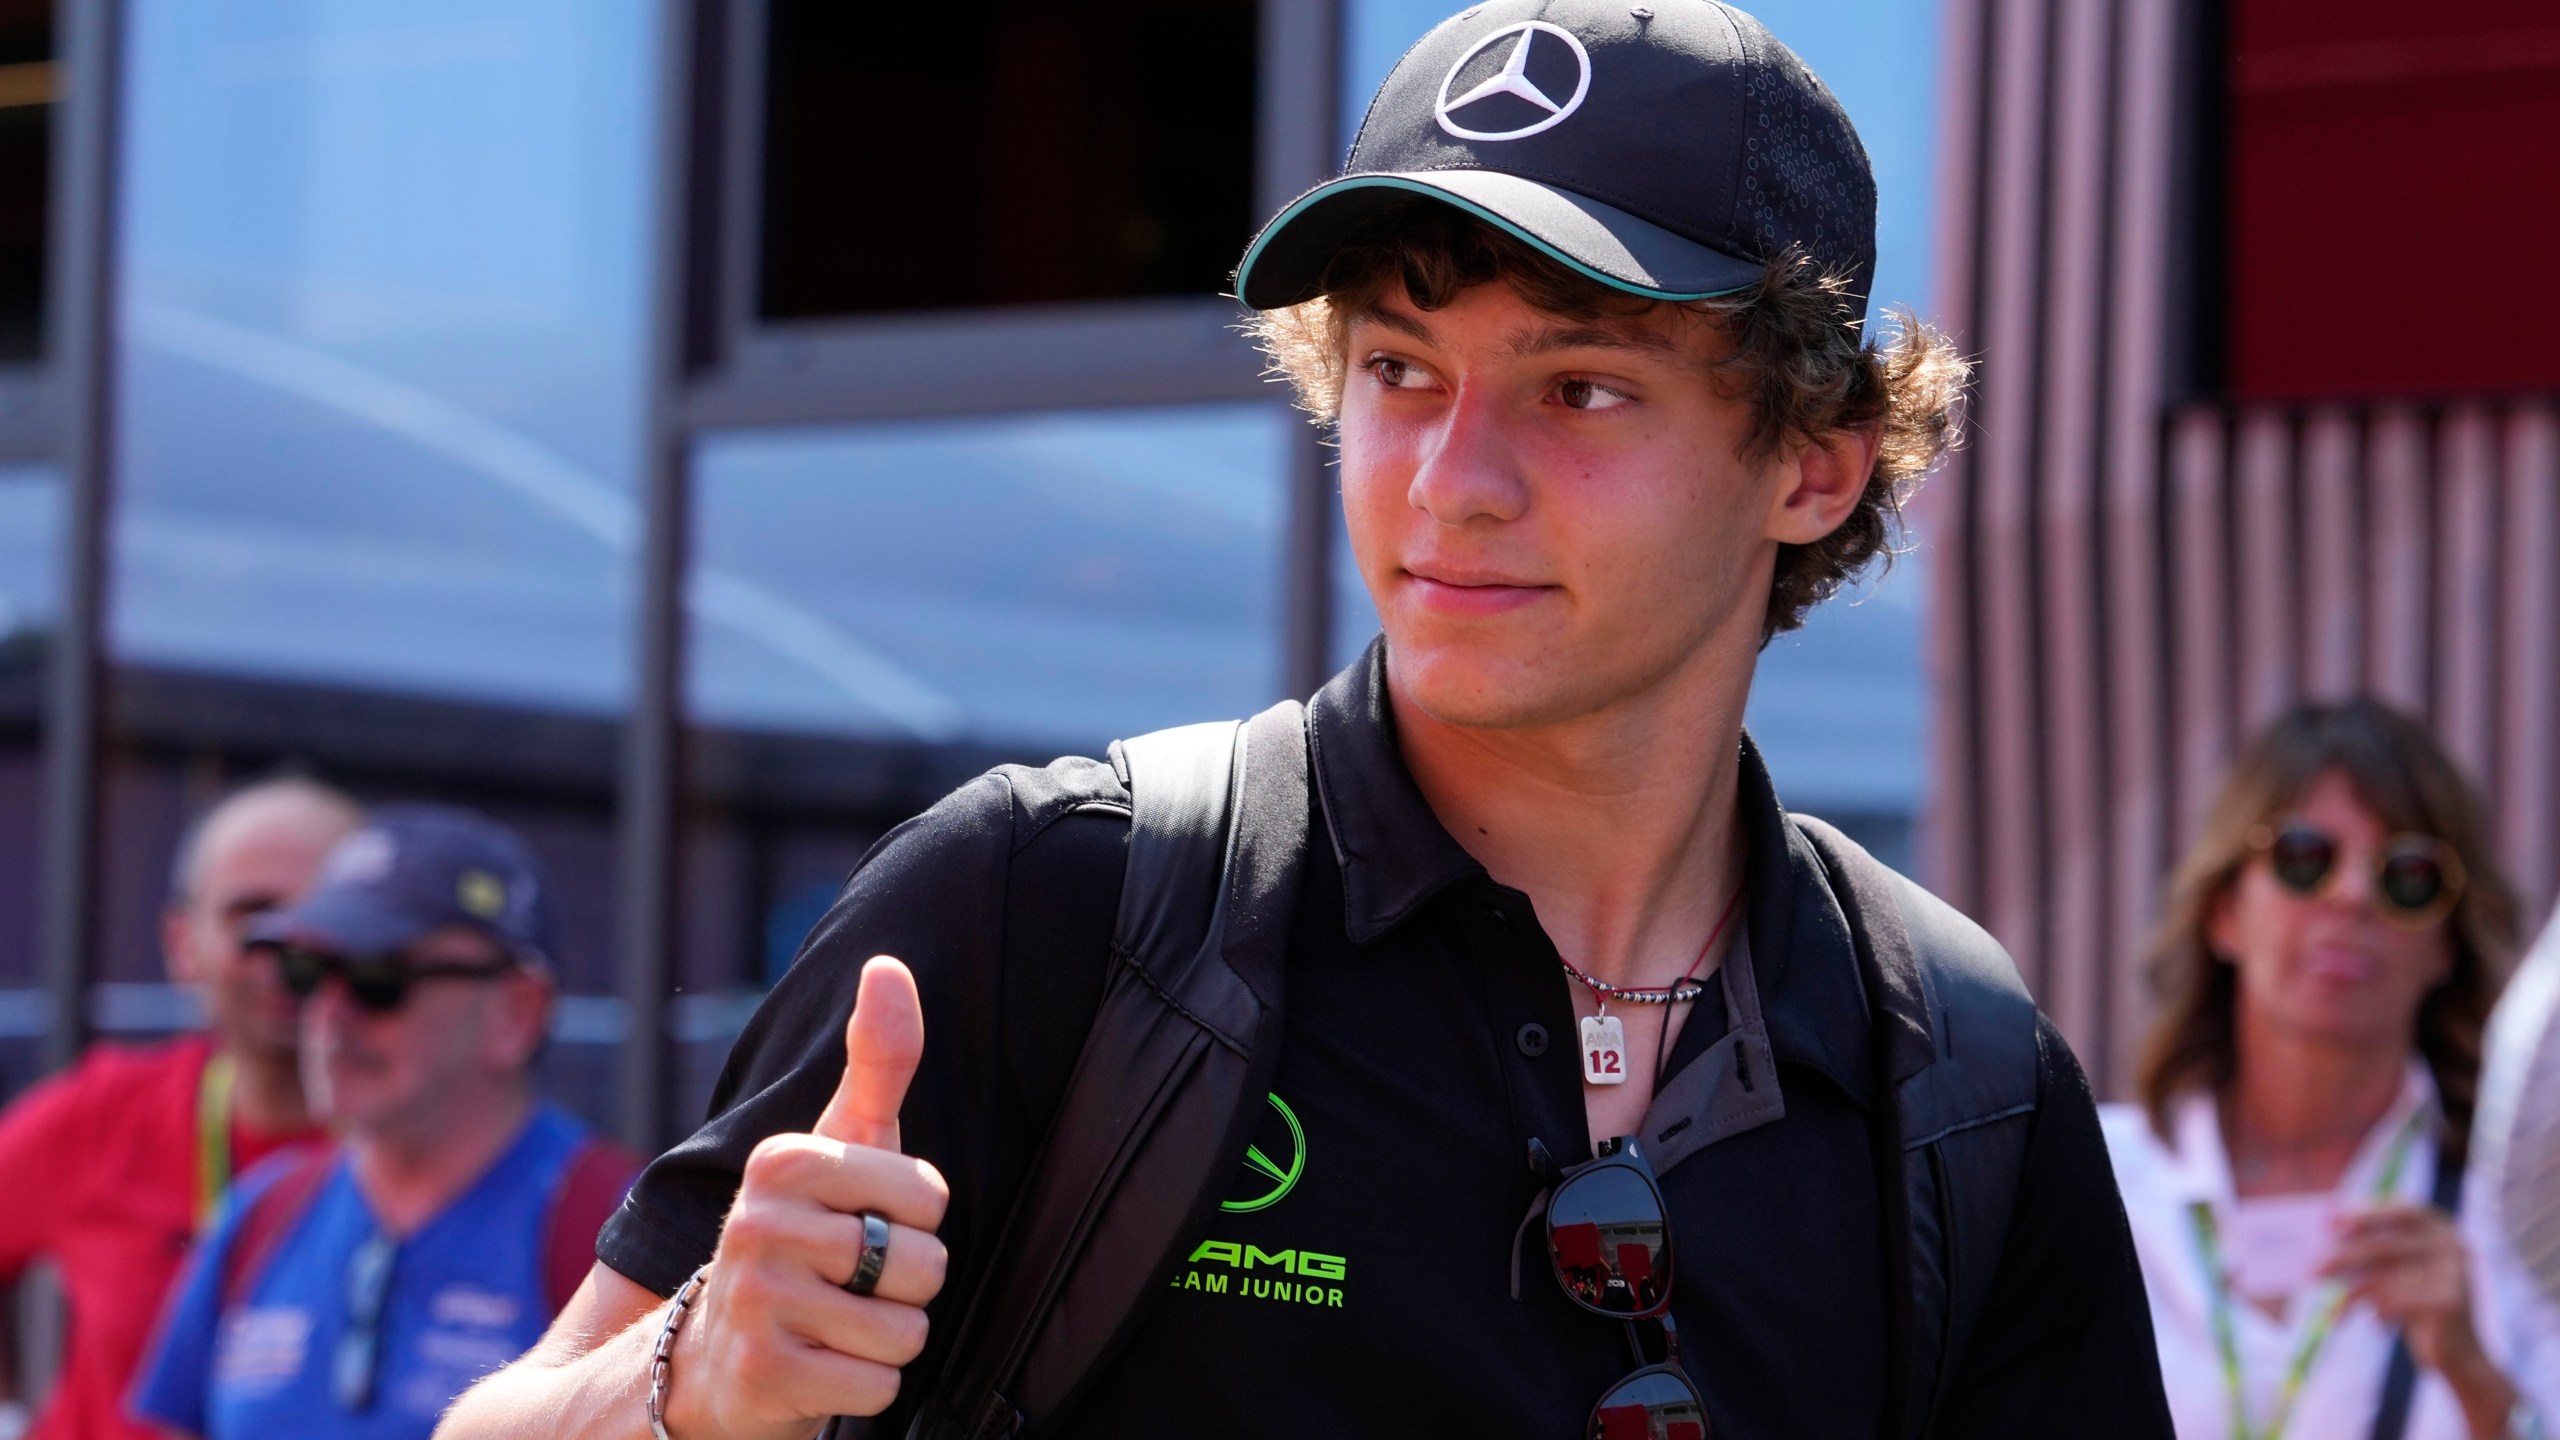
1820,481
524,1020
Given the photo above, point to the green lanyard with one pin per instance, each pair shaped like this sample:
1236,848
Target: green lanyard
2324,1314
213,1137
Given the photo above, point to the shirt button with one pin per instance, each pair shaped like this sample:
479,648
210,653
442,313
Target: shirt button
1532,1039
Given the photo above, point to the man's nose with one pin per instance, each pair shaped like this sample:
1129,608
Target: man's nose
329,1004
1468,469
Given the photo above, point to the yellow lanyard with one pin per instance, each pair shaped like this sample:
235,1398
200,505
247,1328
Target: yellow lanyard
2331,1299
213,1137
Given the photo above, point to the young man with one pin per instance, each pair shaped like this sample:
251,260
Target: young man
113,1167
1586,315
356,1292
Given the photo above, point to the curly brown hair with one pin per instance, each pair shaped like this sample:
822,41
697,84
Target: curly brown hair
1797,356
2409,783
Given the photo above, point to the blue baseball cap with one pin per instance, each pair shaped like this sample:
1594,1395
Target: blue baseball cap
1669,149
414,869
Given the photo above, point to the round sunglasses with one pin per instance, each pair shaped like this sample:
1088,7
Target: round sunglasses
2417,879
378,984
1609,1239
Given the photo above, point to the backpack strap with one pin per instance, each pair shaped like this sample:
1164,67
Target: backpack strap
590,1186
1959,1055
271,1216
1164,1097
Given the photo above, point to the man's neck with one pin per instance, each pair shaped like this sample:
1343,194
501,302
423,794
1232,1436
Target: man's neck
411,1170
266,1092
1619,825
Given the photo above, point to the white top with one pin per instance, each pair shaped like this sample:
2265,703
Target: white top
2269,1243
2515,1142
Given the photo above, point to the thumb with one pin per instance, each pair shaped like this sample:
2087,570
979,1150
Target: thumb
882,1043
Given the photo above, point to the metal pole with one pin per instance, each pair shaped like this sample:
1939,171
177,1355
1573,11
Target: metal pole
653,735
82,307
1296,146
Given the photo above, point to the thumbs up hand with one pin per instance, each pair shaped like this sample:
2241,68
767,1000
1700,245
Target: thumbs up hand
776,1344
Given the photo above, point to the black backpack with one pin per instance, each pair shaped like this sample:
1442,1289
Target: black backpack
1162,1102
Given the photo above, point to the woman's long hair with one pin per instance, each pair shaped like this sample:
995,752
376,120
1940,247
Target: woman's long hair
2400,774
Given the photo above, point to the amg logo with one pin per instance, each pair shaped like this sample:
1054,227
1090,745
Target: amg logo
1307,1264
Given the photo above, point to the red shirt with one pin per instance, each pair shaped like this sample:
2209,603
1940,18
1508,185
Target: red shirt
99,1170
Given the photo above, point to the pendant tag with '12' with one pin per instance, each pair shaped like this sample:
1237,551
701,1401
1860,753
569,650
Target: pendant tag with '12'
1604,1050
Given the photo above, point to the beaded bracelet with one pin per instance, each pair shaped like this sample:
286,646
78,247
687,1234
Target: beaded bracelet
685,1295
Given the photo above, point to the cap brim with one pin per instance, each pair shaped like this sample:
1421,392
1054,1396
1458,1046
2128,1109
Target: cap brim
1286,262
348,921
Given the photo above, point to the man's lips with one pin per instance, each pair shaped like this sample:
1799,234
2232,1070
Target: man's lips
1460,592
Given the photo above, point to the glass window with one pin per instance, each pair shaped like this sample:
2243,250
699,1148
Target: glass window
1027,582
383,314
914,160
880,611
30,602
27,90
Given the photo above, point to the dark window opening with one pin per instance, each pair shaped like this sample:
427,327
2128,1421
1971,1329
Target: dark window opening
28,85
1010,153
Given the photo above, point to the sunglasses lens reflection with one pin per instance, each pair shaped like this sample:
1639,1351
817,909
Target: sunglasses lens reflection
1651,1405
1610,1243
2301,859
2412,880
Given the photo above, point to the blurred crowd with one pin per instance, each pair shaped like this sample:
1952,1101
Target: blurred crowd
344,1200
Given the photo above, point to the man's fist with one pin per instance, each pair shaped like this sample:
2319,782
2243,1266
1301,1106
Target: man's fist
776,1344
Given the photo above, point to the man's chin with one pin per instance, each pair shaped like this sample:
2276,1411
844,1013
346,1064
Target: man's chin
1483,687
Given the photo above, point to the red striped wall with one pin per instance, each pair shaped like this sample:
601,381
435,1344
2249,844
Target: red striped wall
2128,581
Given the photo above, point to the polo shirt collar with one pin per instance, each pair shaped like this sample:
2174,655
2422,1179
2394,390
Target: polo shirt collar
1395,857
1394,853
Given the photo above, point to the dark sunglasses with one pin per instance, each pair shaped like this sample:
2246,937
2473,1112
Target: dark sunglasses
379,984
2417,879
1609,1238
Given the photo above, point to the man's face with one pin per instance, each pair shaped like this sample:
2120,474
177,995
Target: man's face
262,859
1552,515
445,1044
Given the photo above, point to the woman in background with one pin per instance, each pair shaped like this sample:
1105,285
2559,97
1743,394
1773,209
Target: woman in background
2333,947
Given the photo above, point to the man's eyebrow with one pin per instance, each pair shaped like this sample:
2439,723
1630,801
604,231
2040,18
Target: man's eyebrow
1592,337
1409,326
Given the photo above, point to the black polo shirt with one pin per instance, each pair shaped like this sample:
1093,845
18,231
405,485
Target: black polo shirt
1369,1273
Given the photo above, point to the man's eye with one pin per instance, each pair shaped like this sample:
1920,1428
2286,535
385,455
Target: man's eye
1391,373
1588,395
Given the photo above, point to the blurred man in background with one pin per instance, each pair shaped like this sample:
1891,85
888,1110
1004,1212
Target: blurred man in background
114,1166
356,1292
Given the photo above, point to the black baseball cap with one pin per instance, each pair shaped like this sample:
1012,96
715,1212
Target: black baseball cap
414,869
1669,149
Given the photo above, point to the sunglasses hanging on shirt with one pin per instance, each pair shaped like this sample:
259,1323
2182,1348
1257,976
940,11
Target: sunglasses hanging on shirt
1609,1241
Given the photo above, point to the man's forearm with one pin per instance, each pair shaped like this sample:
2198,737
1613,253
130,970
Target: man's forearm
599,1395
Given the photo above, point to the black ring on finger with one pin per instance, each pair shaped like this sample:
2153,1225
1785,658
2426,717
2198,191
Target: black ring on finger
873,1257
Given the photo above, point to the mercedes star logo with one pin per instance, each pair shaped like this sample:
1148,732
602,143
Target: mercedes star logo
1513,80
